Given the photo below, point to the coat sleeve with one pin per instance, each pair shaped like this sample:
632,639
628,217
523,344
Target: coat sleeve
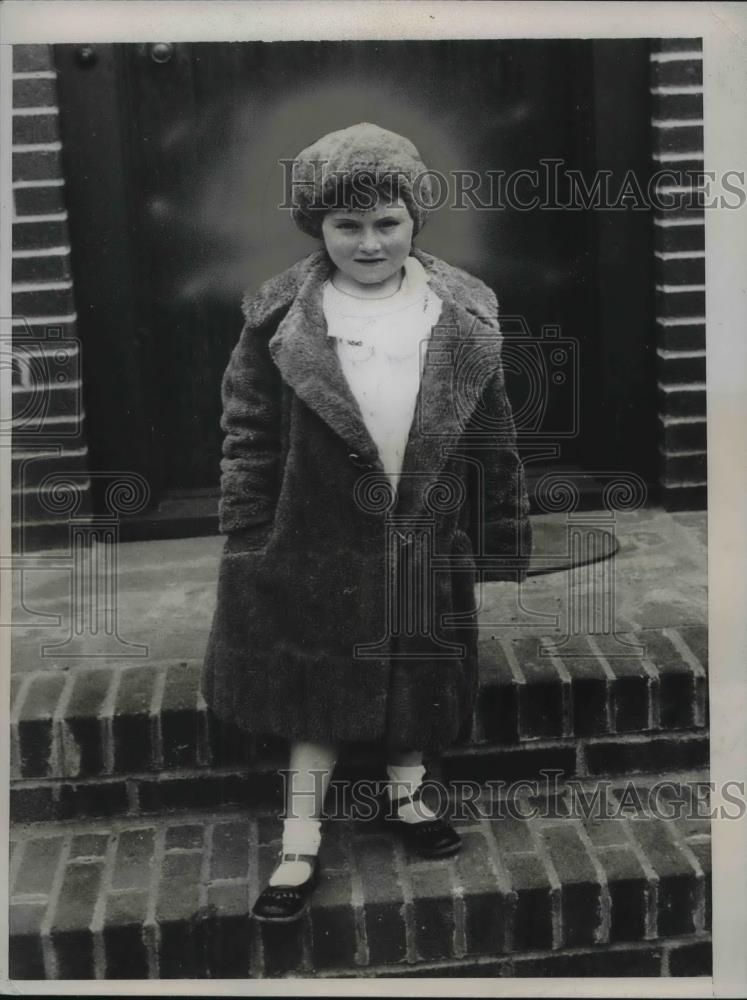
500,525
251,422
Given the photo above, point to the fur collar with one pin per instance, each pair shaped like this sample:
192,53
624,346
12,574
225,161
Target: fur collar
463,351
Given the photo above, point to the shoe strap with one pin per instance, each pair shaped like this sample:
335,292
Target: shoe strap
309,858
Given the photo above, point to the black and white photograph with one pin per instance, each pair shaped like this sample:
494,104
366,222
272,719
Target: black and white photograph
368,423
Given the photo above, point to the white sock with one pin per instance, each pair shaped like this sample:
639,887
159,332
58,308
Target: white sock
404,781
300,836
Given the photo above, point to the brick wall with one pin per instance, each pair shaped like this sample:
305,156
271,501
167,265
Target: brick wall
677,124
48,421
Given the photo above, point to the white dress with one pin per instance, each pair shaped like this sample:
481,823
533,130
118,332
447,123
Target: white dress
381,344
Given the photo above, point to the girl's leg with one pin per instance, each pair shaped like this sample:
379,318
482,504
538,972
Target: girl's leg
311,766
405,771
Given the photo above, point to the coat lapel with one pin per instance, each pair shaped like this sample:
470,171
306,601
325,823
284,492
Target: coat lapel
464,341
308,362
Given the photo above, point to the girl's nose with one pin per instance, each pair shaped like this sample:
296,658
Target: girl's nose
369,242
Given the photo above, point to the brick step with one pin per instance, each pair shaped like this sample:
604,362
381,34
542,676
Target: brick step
128,718
625,893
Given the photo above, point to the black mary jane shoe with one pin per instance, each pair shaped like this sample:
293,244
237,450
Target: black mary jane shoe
282,904
430,838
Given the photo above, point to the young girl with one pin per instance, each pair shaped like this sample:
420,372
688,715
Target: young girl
369,463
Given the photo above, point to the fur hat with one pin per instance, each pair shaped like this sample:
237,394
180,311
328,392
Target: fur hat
324,173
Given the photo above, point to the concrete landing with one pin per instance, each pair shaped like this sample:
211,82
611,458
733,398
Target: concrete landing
162,602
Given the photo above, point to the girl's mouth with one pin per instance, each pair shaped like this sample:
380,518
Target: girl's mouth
370,260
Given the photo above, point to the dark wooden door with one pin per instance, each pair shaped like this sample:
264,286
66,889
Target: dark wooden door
174,176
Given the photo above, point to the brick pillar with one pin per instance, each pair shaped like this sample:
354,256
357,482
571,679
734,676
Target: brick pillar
677,124
48,421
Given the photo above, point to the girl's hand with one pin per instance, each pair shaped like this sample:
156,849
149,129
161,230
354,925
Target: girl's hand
249,539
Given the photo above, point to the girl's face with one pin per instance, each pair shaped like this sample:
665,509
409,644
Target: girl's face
369,247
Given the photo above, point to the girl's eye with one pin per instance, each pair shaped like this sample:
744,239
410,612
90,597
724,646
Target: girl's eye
388,223
346,225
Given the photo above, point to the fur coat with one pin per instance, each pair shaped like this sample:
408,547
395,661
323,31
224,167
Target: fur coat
346,611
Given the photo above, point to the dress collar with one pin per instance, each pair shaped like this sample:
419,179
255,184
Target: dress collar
412,292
